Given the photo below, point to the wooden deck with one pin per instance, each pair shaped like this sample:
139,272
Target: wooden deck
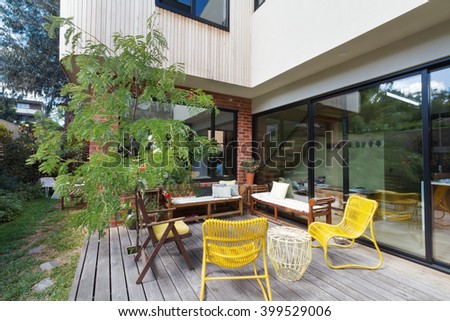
107,272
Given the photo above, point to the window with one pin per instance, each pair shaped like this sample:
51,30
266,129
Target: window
283,148
23,105
258,3
214,12
221,127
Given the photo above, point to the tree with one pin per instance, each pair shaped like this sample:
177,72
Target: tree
29,57
14,154
133,154
7,108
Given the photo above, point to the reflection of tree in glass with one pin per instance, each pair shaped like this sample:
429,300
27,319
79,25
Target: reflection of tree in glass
381,113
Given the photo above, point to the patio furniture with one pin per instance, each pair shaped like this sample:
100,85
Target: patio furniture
395,206
441,203
47,183
313,208
209,202
75,200
233,245
358,215
289,250
159,233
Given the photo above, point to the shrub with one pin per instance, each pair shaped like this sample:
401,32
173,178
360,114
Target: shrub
15,153
30,191
8,182
10,206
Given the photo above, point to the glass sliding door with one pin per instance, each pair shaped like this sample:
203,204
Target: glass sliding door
440,163
370,142
282,146
385,160
328,154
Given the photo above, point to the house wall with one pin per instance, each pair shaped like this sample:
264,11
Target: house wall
206,51
292,32
259,46
423,47
293,45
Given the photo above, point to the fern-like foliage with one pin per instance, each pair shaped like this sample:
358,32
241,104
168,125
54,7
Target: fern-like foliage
131,154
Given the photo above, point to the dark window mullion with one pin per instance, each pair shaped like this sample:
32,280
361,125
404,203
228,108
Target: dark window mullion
194,8
426,150
311,120
346,165
213,136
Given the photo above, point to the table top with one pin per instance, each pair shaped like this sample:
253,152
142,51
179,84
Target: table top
47,181
288,234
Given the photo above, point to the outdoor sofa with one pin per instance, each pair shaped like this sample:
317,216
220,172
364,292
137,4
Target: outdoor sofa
276,199
224,200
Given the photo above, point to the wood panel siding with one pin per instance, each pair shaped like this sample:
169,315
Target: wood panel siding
206,51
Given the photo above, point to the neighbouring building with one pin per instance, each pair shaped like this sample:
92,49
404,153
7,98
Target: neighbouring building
25,110
335,97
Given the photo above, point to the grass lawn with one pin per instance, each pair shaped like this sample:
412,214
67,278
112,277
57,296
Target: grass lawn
43,224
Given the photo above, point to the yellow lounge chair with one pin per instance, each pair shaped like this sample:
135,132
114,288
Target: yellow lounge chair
358,215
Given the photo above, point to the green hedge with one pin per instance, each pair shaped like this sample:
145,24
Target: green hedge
10,206
11,202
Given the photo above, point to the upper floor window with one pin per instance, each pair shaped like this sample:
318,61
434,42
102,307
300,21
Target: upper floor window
258,3
23,105
213,12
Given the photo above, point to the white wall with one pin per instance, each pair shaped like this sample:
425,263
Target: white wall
426,46
289,33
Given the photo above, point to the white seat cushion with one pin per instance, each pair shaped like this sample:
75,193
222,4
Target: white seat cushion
287,202
193,199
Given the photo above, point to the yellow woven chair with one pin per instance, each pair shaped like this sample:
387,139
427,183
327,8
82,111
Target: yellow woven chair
441,202
234,244
395,206
358,215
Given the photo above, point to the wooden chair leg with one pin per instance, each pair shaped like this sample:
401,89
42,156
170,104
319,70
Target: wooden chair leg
142,247
152,257
181,247
148,263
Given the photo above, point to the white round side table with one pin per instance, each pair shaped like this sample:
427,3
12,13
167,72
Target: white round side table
289,250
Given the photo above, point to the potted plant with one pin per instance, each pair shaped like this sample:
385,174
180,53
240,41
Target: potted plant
250,166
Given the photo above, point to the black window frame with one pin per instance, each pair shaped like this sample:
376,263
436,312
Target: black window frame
189,11
259,3
214,177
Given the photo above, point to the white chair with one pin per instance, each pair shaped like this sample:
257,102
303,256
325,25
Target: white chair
47,183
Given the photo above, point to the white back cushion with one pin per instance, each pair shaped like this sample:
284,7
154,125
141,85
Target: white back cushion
279,190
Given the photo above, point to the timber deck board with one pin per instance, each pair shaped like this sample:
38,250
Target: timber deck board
107,272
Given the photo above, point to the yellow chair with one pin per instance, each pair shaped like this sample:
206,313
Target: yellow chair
441,201
395,206
358,215
232,245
